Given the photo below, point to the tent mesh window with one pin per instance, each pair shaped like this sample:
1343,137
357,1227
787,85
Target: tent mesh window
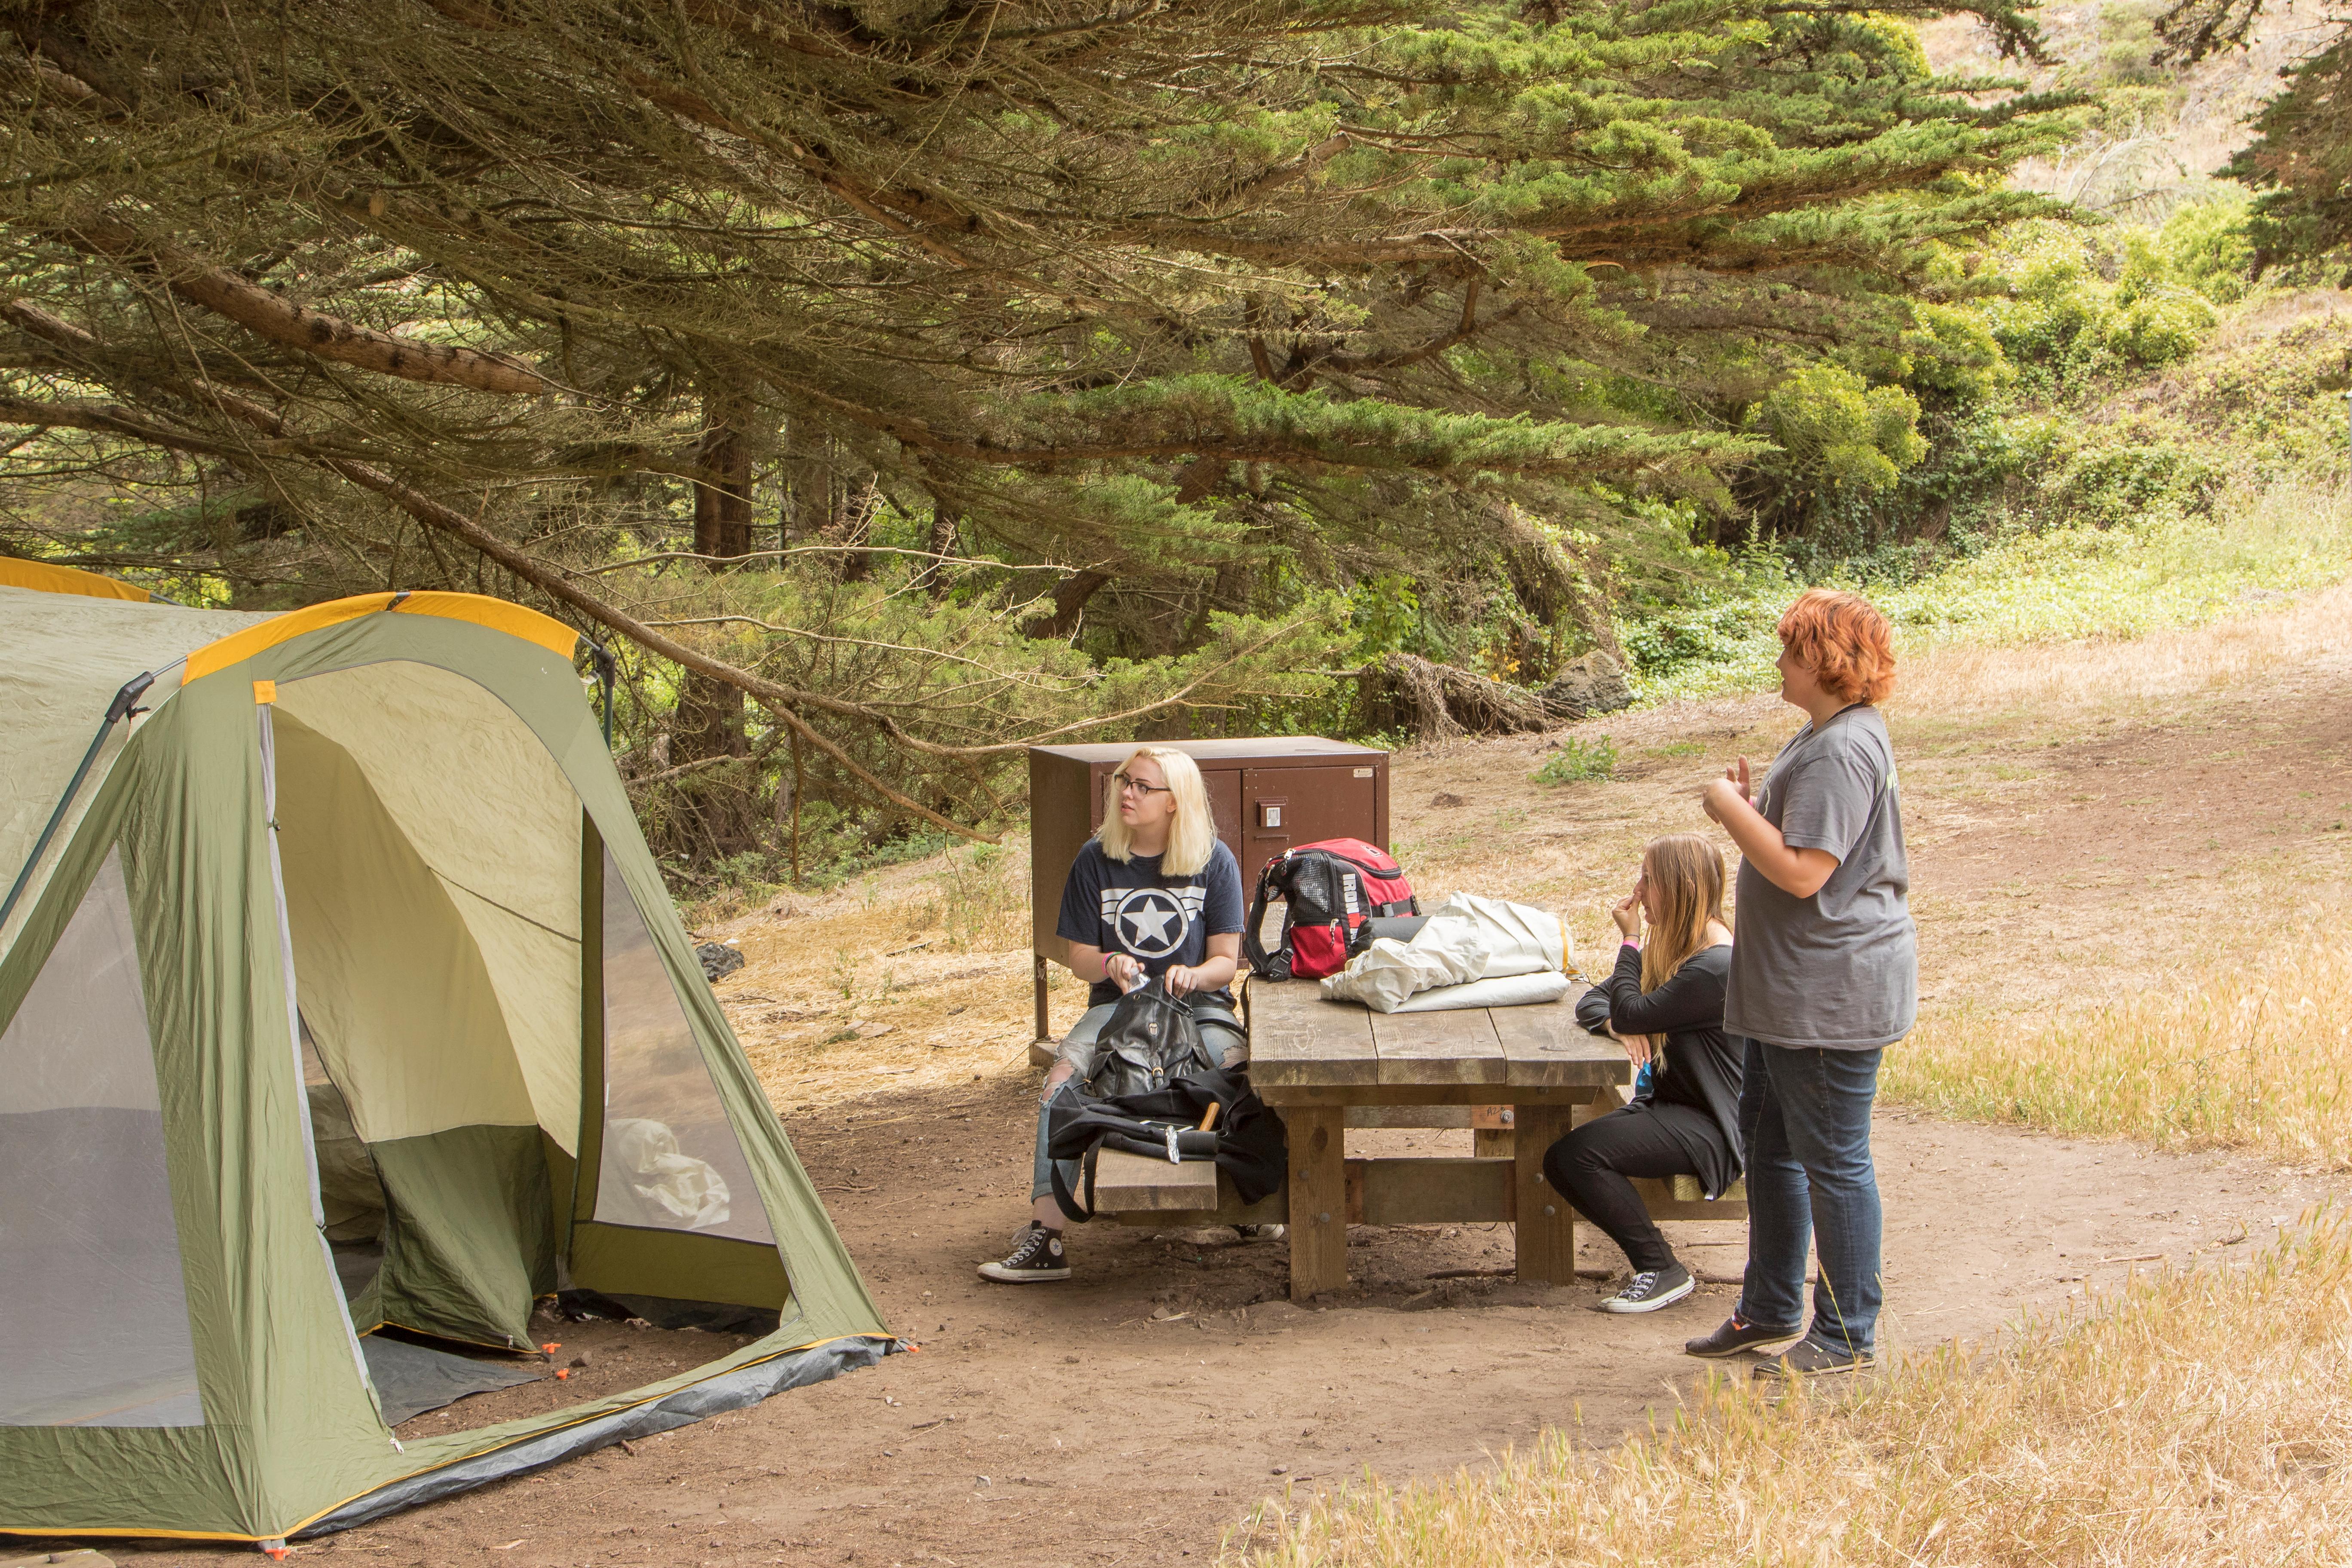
93,1314
671,1160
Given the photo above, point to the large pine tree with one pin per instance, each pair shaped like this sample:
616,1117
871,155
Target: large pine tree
1172,309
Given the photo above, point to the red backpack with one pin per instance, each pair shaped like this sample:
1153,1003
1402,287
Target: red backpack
1329,890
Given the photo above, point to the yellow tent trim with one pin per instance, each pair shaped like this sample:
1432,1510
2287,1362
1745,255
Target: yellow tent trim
499,615
40,575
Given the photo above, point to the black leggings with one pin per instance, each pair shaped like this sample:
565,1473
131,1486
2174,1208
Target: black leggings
1589,1165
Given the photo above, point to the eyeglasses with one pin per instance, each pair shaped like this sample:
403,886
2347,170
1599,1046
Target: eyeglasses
1129,782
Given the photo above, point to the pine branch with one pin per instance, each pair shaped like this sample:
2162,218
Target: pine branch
267,315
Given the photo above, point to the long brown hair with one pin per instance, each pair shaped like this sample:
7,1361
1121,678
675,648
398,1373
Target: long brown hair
1687,872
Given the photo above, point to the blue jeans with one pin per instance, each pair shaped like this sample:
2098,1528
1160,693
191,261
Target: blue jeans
1041,1181
1805,1118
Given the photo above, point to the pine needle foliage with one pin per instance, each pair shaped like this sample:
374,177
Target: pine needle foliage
1137,325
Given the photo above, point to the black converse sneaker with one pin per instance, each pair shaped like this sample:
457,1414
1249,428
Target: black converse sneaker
1736,1334
1035,1258
1810,1358
1653,1289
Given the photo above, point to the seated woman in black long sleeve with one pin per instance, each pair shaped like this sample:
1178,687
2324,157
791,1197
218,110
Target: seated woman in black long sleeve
1665,1003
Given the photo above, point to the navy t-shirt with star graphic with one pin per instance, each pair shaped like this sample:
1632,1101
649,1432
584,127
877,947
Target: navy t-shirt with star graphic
1158,921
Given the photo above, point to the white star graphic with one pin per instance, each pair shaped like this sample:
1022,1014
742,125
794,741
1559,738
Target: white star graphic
1145,917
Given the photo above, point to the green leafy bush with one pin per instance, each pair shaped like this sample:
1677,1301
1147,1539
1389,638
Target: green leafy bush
1836,430
2205,243
2158,325
1578,761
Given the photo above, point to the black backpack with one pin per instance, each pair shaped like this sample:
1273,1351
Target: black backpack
1149,1039
1246,1138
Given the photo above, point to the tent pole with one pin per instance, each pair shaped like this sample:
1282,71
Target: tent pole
602,657
124,700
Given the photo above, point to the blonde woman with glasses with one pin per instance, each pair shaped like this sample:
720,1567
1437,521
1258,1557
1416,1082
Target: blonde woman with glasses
1155,893
1664,1001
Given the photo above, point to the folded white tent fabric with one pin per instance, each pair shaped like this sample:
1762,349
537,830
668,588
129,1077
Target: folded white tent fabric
1519,939
1494,990
1385,974
1468,939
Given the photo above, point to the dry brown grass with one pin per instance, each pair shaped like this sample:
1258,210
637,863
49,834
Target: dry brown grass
2194,1420
913,977
2255,1054
2057,684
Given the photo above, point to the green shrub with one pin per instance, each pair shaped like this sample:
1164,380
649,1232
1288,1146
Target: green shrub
1836,430
2205,243
2158,325
2120,483
1578,761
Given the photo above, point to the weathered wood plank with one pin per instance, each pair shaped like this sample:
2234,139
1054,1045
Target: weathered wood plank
1678,1197
1131,1183
1422,1094
1297,1037
1269,1210
1272,1209
1543,1047
1429,1191
1457,1047
1545,1225
1409,1116
1318,1200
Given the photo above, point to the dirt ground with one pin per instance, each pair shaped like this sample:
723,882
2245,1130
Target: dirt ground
2062,851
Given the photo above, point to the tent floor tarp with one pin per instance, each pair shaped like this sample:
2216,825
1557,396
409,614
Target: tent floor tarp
732,1390
410,1379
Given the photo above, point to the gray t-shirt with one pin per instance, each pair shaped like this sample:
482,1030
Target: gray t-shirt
1840,969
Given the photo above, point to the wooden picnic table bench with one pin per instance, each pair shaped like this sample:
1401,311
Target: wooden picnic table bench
1523,1074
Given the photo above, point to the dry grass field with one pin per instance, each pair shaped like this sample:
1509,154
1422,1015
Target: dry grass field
2195,1420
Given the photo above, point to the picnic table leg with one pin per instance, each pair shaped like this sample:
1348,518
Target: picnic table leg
1491,1128
1318,1198
1545,1224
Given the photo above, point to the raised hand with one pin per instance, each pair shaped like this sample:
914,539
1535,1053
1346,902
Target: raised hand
1734,785
1627,913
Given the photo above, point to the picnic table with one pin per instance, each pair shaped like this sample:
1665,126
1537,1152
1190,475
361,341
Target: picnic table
1313,1059
1523,1075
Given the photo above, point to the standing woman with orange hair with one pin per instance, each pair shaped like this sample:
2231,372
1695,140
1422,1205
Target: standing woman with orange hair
1825,977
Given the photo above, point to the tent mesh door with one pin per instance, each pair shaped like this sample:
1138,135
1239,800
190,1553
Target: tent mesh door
93,1314
671,1160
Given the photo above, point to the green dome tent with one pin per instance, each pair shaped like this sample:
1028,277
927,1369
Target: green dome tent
338,993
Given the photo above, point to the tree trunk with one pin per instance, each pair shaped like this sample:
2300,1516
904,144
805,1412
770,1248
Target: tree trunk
709,721
1069,602
945,523
854,527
